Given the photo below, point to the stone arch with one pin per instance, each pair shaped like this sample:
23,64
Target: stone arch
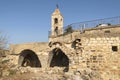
29,58
54,43
77,45
76,41
61,46
58,58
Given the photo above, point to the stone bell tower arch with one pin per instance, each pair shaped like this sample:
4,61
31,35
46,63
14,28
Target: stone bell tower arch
57,22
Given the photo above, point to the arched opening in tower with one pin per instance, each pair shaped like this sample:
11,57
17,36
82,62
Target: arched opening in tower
58,58
56,20
28,58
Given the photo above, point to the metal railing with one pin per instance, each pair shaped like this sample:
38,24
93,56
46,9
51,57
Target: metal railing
90,24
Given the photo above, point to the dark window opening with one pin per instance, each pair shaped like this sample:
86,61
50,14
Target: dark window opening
55,20
114,48
58,58
56,30
29,58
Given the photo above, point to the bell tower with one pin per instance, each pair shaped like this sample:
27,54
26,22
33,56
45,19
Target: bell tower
57,22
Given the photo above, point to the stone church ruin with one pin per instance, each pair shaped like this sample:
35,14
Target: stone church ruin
93,45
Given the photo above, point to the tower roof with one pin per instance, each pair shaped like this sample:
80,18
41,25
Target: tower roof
57,11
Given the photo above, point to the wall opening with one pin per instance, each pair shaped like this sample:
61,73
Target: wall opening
76,43
56,30
29,58
58,58
55,20
114,48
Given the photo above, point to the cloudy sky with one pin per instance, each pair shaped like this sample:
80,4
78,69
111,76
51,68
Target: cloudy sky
30,20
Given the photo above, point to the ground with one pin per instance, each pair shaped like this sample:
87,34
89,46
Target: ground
33,76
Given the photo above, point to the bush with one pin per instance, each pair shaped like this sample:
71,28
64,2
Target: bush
69,29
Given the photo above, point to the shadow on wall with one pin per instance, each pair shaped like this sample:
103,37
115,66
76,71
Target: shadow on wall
58,58
29,58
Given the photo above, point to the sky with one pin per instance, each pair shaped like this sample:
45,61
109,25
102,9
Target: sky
24,21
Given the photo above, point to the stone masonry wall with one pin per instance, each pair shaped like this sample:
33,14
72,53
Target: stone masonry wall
98,50
41,49
102,54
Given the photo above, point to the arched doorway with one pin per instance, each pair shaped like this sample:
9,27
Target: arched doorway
29,58
58,58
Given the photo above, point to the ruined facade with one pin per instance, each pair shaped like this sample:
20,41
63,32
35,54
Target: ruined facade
96,48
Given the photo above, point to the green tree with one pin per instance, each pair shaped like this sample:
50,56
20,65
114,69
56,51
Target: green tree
69,29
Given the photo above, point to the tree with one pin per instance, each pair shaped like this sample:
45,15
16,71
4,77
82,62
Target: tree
69,29
3,41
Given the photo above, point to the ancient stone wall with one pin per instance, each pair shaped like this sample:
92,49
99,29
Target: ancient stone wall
97,49
36,46
41,49
102,54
